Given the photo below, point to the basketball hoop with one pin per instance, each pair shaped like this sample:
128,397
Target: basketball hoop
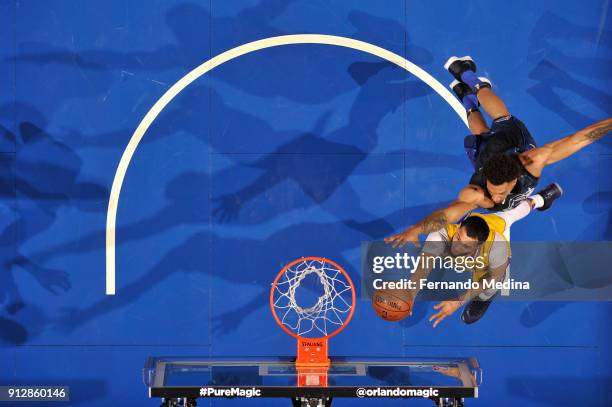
331,307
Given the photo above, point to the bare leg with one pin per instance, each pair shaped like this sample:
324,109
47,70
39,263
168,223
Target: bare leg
477,123
492,104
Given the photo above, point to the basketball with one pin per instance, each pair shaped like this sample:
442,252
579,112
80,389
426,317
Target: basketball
391,305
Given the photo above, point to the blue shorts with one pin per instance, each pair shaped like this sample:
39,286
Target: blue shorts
507,135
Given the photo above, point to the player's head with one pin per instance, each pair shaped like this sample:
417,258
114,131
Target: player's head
501,172
471,233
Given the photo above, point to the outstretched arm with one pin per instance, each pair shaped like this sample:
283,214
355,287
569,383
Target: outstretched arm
469,198
535,160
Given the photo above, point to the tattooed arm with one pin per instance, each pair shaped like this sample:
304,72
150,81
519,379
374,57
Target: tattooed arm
535,160
469,198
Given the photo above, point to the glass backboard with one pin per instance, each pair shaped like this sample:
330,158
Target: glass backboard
441,379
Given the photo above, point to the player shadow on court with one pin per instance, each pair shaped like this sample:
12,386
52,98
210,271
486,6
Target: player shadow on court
43,187
12,332
187,204
599,203
552,33
22,327
188,257
243,136
224,134
192,46
320,163
555,71
550,78
330,156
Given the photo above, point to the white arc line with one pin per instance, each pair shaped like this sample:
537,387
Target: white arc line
113,202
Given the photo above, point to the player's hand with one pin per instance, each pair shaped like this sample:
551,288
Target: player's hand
228,207
445,308
410,235
50,279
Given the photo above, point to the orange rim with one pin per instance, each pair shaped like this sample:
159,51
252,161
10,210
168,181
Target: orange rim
324,260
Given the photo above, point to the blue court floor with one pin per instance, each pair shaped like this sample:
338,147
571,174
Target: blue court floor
291,151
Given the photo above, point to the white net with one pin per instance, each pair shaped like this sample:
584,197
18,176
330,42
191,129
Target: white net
331,295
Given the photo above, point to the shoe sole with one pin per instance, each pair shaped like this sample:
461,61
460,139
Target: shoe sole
482,79
560,189
450,61
485,80
542,209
